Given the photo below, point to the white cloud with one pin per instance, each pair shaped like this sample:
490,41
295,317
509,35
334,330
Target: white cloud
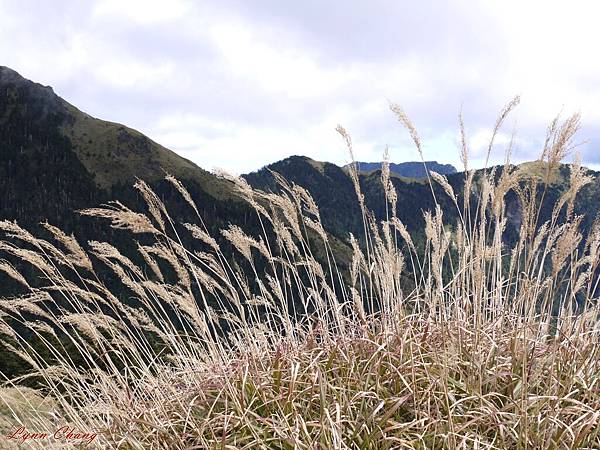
241,84
141,11
134,74
273,69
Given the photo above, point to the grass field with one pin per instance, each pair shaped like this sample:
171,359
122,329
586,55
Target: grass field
495,347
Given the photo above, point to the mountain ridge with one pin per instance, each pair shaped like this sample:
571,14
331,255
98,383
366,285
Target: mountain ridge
111,152
408,169
56,159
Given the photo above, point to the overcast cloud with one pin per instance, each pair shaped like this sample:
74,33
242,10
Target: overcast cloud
240,84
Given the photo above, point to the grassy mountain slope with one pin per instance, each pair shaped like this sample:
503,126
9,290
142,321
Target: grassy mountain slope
55,159
111,153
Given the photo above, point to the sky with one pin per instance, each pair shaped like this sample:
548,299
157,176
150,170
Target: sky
237,85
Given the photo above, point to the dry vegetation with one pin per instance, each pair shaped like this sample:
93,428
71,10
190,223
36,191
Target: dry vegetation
495,347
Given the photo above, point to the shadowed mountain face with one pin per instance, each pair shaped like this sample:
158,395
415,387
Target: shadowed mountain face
40,173
55,160
334,193
411,169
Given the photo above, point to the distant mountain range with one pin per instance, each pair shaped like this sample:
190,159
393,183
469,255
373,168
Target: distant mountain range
409,169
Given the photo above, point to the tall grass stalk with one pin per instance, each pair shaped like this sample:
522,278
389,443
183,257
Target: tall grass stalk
492,346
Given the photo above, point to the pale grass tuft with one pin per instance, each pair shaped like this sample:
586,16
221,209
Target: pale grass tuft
442,180
202,235
10,270
76,255
122,217
154,204
183,191
405,120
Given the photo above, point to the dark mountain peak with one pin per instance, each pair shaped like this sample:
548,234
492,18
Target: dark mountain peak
297,162
290,160
302,170
23,100
293,159
11,78
296,158
8,75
